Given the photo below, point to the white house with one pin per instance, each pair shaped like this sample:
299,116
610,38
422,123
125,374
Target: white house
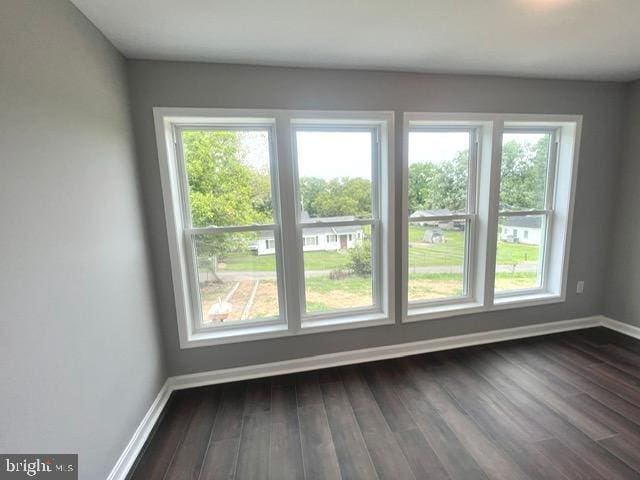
320,238
444,224
522,230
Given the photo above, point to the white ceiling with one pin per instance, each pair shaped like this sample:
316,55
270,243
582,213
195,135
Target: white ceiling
586,39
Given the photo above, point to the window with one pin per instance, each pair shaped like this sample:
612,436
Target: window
282,222
338,171
308,241
487,211
526,201
441,210
236,193
228,209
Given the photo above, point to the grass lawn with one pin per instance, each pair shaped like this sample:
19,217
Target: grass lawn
421,254
265,263
452,251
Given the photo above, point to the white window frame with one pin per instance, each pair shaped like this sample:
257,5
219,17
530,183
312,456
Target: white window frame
286,227
559,208
546,212
381,312
470,217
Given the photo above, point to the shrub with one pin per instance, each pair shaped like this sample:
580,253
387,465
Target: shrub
360,259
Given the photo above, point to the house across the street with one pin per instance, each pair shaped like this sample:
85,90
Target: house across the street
319,238
522,230
445,224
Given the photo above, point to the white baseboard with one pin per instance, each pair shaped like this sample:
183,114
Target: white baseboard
621,327
375,353
135,445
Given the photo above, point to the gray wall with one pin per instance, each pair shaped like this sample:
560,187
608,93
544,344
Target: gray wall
208,85
80,353
622,294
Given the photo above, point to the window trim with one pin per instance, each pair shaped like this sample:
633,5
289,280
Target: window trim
490,150
490,156
375,222
547,212
470,216
285,217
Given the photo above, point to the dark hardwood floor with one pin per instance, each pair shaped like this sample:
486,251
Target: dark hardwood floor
563,406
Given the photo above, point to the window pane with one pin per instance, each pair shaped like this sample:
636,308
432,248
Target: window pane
438,172
338,275
229,179
523,178
519,255
334,170
437,259
237,277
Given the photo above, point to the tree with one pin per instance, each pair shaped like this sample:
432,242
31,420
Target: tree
223,190
310,188
421,182
523,174
336,197
442,185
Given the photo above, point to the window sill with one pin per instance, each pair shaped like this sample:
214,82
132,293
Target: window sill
235,335
263,332
417,314
526,300
436,312
345,323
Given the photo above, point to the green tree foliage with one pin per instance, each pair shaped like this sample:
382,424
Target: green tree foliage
336,197
224,190
523,174
438,186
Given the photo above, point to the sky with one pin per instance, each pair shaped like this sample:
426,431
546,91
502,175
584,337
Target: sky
436,147
348,154
334,154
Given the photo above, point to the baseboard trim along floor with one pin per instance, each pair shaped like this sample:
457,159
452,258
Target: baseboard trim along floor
140,436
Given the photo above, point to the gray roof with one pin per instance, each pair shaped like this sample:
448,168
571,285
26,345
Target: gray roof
531,221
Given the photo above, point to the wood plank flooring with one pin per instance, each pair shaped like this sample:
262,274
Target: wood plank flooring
563,406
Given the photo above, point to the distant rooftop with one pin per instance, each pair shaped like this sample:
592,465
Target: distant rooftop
531,221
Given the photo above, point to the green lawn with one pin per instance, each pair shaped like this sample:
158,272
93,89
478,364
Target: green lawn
421,254
324,294
452,251
265,263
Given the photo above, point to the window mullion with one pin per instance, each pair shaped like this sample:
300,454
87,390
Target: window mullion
292,261
491,183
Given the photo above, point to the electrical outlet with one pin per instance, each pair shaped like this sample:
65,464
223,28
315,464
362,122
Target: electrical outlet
580,287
